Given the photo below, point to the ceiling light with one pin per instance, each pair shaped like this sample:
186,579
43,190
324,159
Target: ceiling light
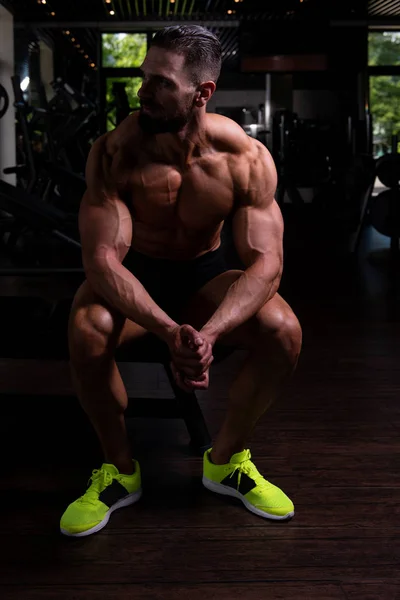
53,14
108,1
72,39
67,32
77,45
229,12
112,12
92,65
43,1
86,55
173,1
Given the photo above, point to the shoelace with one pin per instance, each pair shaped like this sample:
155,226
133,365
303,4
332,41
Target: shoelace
250,469
100,479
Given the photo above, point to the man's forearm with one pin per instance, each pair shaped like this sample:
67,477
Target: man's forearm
122,290
244,299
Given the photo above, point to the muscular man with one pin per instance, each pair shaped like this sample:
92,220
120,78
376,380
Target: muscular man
159,188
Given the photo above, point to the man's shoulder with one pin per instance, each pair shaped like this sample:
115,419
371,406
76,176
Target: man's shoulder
248,157
227,136
125,135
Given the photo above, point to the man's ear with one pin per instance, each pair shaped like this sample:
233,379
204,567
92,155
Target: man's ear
204,93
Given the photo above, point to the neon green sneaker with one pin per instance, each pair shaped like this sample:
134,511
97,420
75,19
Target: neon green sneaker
108,491
240,478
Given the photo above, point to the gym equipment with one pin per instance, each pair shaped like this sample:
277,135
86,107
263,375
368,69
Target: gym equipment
33,221
283,124
301,150
75,124
40,169
388,169
384,213
37,214
4,101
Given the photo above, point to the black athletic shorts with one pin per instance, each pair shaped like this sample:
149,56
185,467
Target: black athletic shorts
171,283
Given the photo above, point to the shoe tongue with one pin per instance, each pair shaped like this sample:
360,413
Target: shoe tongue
240,457
110,469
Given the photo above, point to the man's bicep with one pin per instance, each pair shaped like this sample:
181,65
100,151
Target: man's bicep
258,223
258,232
105,229
105,223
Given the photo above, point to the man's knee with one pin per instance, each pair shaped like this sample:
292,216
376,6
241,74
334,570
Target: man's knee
90,332
284,333
290,329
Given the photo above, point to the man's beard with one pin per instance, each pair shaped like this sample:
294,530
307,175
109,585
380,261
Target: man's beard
163,124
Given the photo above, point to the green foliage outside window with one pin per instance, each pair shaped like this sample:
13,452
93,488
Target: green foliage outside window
384,50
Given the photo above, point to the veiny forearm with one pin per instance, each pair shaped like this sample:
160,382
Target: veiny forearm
122,290
256,286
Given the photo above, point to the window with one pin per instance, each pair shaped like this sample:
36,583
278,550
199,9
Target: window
385,110
384,88
383,48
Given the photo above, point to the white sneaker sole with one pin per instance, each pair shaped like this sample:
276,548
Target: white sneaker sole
130,499
228,491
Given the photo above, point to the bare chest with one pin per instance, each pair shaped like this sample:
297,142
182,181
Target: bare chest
163,196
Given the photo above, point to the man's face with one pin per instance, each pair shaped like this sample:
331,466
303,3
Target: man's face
167,94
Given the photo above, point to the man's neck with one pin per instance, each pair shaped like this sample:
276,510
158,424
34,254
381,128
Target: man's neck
193,139
186,144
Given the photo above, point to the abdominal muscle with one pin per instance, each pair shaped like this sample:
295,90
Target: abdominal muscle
177,243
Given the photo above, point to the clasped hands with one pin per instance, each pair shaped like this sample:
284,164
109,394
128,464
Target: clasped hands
191,357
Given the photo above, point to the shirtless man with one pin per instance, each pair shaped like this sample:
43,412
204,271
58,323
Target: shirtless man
159,188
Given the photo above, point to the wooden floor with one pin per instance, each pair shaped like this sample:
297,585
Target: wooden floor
332,443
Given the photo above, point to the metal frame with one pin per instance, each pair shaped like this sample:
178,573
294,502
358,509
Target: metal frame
121,26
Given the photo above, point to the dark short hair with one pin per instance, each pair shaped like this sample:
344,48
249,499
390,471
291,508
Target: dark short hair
201,48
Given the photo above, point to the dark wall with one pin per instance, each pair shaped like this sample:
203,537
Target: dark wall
334,89
273,38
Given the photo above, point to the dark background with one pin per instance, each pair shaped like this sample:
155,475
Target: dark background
332,441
